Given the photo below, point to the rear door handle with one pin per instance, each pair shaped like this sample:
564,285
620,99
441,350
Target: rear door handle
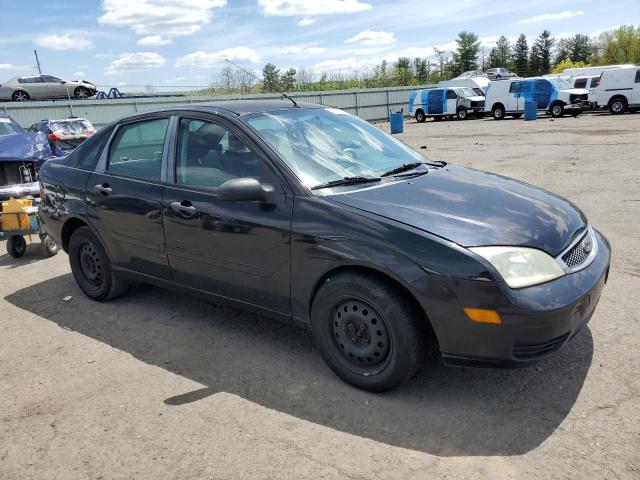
183,208
104,188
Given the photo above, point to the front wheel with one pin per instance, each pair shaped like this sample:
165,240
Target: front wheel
462,113
81,93
420,116
498,112
91,266
16,246
557,110
369,335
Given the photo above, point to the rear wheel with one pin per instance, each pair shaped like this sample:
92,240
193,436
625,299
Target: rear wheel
368,334
462,113
618,106
498,112
16,246
420,116
91,267
20,96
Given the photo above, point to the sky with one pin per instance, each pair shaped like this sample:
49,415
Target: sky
172,43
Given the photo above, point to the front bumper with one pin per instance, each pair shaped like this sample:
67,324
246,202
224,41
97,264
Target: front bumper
536,321
578,106
20,190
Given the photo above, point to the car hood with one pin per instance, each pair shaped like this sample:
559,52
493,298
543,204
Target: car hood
576,91
474,208
24,146
477,98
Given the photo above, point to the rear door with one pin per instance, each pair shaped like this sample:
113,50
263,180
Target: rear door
635,99
124,196
235,249
35,87
513,97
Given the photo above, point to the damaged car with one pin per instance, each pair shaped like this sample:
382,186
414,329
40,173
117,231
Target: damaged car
21,156
64,134
44,87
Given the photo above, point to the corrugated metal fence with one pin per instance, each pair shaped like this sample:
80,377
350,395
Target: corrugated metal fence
369,104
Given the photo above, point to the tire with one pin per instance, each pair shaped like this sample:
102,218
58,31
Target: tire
516,115
48,246
91,267
16,246
420,116
81,93
462,113
366,332
556,110
20,96
498,112
618,106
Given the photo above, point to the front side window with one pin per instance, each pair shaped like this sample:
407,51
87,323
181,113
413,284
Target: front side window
8,127
209,154
637,76
514,87
324,144
136,150
451,95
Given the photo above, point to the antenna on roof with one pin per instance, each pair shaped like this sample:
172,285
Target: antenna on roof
261,80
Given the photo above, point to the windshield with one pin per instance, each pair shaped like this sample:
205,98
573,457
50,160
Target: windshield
466,92
321,145
560,83
7,127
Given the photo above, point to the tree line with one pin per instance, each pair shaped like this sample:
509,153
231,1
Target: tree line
544,55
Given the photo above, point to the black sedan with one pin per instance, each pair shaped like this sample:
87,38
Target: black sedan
308,214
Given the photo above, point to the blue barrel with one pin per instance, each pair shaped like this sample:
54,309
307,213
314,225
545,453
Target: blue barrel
530,110
396,121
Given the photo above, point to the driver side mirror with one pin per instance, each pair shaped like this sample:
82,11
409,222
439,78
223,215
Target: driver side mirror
246,190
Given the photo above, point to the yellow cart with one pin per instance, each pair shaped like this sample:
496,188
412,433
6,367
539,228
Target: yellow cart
19,219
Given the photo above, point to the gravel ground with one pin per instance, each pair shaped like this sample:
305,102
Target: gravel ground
158,385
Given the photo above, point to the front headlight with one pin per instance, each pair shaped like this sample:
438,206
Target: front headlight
521,266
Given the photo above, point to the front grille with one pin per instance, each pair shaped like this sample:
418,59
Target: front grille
477,104
529,352
577,255
578,98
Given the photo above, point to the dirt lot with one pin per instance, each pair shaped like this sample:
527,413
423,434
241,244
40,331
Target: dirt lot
157,385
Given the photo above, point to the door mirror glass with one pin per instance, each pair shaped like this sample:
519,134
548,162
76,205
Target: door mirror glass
245,189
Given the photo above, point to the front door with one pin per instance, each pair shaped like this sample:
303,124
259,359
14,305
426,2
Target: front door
234,249
124,196
452,102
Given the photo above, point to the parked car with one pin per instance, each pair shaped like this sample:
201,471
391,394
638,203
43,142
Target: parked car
552,95
618,90
21,156
499,73
64,134
311,215
438,103
40,87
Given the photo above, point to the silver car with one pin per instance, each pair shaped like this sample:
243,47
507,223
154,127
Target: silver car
499,73
37,87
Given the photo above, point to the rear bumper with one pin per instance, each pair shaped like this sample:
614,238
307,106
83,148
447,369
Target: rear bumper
536,321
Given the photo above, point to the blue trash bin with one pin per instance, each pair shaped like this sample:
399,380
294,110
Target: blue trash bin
396,121
530,110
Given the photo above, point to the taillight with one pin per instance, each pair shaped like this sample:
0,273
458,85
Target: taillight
90,132
53,137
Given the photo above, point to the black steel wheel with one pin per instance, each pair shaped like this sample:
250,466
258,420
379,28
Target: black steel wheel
48,245
367,331
91,266
16,246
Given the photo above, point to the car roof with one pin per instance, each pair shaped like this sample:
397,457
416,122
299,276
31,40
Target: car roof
248,107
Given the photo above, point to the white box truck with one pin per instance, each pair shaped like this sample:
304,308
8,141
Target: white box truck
618,90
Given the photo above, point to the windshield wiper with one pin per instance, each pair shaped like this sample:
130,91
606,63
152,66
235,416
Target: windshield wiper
346,181
403,168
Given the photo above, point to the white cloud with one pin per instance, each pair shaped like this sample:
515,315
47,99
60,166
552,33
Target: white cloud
66,41
174,80
563,35
8,66
302,51
305,22
78,74
345,64
171,18
373,37
309,8
201,59
154,41
134,62
549,17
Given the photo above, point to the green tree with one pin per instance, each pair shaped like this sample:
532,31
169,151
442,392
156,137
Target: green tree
505,55
563,51
402,72
466,55
270,78
288,80
493,60
581,48
621,45
421,70
521,56
540,56
567,63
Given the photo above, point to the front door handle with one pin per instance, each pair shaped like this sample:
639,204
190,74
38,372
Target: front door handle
183,208
104,188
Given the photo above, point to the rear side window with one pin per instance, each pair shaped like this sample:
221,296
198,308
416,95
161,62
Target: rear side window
580,83
514,87
594,82
637,76
136,150
89,151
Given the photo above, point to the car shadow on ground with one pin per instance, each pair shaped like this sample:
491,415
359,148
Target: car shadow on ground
443,411
33,254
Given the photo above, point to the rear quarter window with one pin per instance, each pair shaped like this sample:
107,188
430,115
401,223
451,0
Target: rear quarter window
637,76
88,152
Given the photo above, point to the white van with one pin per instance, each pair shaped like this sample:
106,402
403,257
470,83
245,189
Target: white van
617,90
437,103
552,95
